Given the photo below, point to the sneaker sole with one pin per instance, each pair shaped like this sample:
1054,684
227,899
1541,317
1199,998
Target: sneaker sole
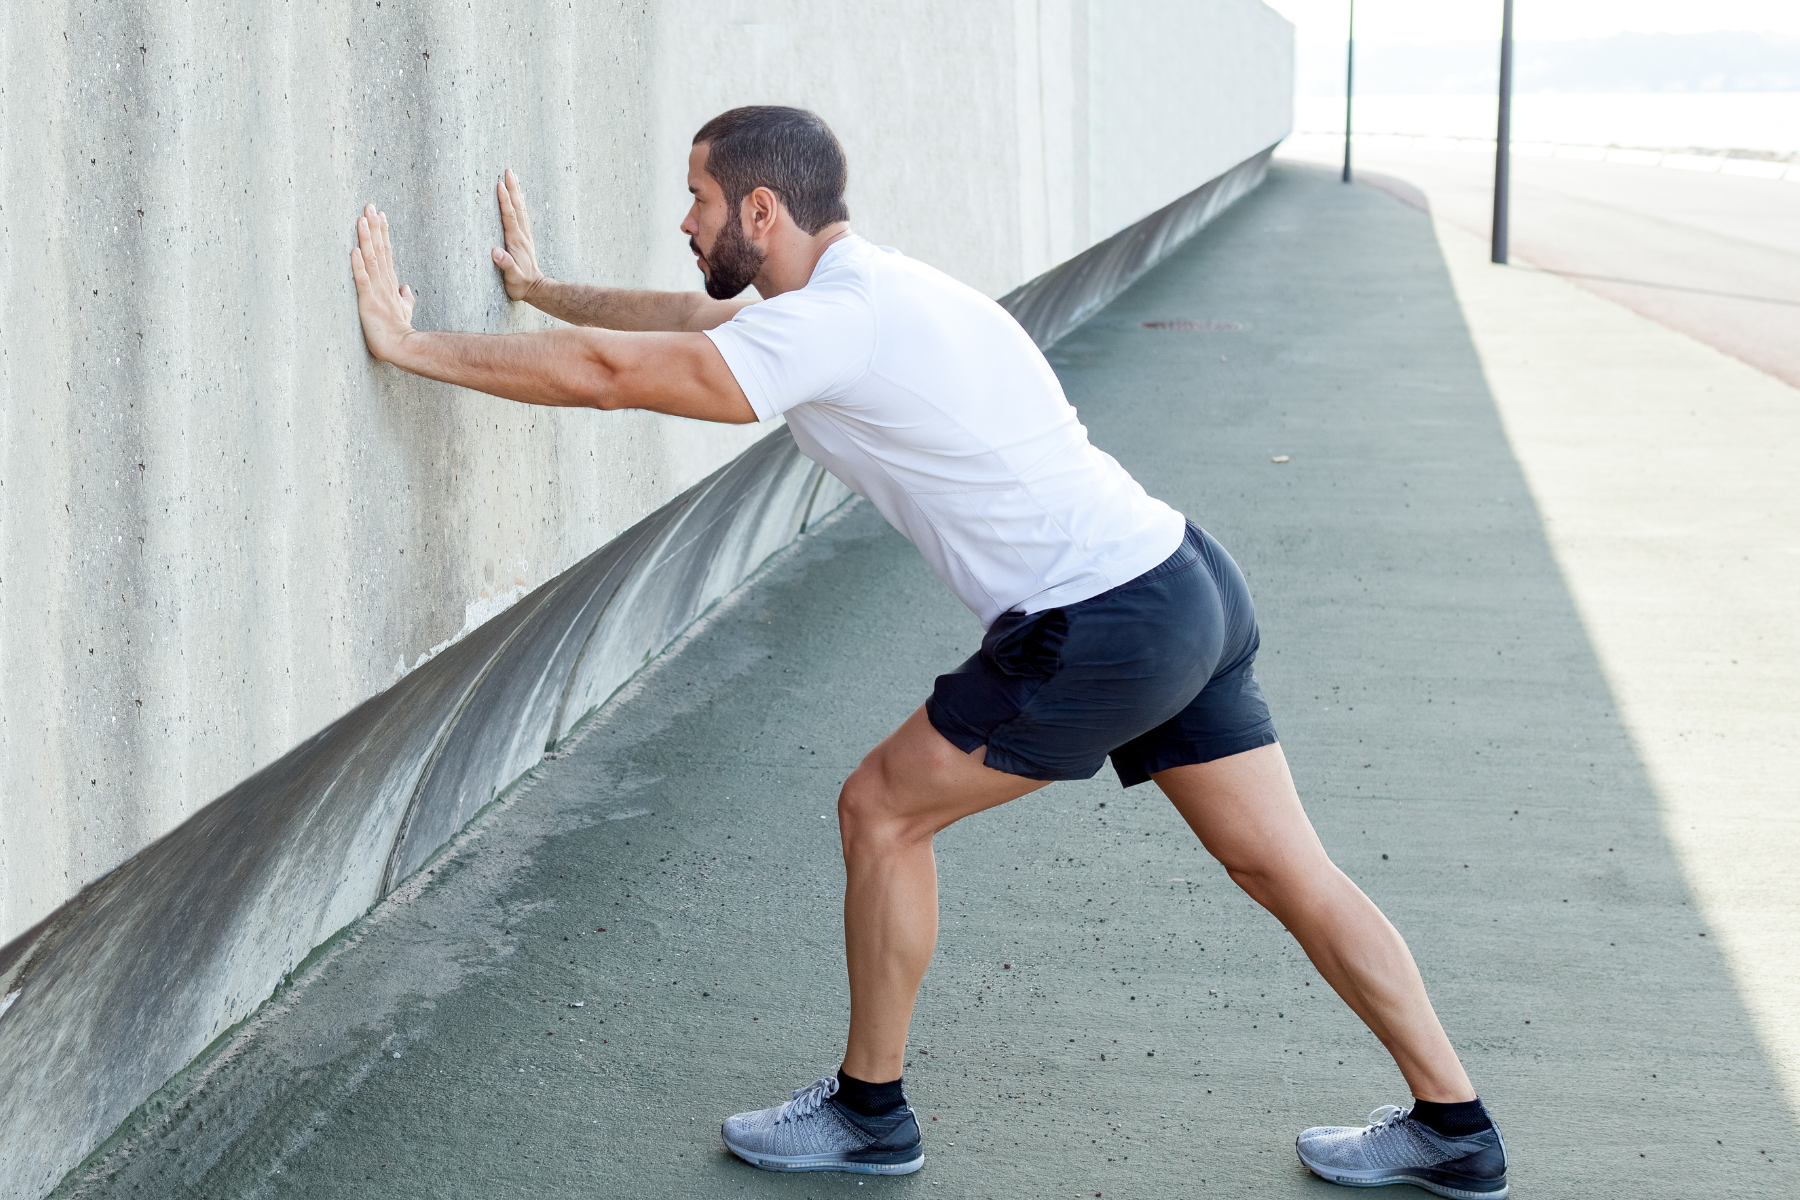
826,1162
1417,1178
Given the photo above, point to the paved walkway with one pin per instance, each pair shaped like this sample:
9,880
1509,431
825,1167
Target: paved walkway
1107,1014
1715,256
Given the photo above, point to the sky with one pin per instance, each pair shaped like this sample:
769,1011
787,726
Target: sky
1403,21
1747,119
1456,24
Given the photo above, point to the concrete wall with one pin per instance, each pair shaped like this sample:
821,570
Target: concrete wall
222,525
223,528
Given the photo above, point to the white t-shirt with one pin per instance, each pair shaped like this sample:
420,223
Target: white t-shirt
927,398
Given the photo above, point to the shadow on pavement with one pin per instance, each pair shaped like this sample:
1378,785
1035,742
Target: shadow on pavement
1107,1014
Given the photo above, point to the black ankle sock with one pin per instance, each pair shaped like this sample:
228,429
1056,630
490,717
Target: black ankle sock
1452,1120
869,1099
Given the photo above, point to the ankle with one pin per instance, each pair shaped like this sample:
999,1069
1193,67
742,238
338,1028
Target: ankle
869,1099
1453,1120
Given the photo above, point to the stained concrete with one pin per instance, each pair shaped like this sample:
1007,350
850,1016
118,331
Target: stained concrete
1106,1013
128,983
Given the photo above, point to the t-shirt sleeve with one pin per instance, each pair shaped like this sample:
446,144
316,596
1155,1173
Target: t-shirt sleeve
801,346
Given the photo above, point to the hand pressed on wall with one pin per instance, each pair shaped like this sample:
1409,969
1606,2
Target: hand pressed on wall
383,303
518,261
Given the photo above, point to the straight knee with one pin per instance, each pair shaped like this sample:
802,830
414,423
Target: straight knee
1259,884
1283,887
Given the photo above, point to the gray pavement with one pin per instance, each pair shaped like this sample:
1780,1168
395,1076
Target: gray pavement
1106,1014
1714,256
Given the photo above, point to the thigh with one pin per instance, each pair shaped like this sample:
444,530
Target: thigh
1246,812
917,776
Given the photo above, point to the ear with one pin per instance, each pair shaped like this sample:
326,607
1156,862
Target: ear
761,211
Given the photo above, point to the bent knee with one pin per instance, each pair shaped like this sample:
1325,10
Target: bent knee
873,809
865,802
861,799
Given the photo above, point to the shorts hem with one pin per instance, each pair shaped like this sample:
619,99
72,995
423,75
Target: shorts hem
1199,751
1001,760
969,740
957,734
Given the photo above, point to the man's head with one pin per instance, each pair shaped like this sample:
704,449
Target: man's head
761,176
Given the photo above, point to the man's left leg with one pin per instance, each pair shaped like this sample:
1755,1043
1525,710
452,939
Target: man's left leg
1248,815
908,788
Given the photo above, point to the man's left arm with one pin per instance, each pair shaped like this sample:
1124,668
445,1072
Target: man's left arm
638,309
681,374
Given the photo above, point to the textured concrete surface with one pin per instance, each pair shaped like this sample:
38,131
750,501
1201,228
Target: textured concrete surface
125,985
1664,470
1106,1013
222,526
1664,467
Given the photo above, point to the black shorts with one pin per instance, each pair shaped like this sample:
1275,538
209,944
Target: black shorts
1156,673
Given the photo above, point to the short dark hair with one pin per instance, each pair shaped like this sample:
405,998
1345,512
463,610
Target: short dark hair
790,151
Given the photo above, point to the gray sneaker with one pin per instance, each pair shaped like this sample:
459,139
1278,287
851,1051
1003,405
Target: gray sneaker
1393,1148
813,1132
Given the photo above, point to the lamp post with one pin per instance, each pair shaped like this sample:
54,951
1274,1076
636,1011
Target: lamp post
1502,138
1349,85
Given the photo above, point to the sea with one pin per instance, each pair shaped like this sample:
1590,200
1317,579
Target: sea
1763,122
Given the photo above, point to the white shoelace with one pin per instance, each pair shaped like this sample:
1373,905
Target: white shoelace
808,1100
1381,1118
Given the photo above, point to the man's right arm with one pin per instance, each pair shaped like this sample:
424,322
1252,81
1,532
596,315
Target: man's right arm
635,309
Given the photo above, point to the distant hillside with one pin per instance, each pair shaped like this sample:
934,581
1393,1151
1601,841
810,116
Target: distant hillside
1625,62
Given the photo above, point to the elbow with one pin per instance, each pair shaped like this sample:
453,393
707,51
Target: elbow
601,389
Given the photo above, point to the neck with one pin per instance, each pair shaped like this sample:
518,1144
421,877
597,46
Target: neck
789,264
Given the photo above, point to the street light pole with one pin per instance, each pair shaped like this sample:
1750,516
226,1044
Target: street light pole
1349,85
1503,138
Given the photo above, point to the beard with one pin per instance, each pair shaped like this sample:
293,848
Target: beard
733,263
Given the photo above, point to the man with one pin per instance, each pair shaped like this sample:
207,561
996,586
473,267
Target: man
1114,626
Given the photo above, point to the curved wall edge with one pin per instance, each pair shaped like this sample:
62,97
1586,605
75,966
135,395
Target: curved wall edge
1065,296
135,976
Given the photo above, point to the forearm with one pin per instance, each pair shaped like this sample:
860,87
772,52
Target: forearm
558,367
637,309
680,374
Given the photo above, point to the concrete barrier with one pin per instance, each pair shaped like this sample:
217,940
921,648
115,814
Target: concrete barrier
1058,300
222,527
130,981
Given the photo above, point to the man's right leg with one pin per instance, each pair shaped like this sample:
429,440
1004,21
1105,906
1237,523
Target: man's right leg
910,787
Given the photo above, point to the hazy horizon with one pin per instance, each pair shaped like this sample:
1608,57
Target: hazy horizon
1722,61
